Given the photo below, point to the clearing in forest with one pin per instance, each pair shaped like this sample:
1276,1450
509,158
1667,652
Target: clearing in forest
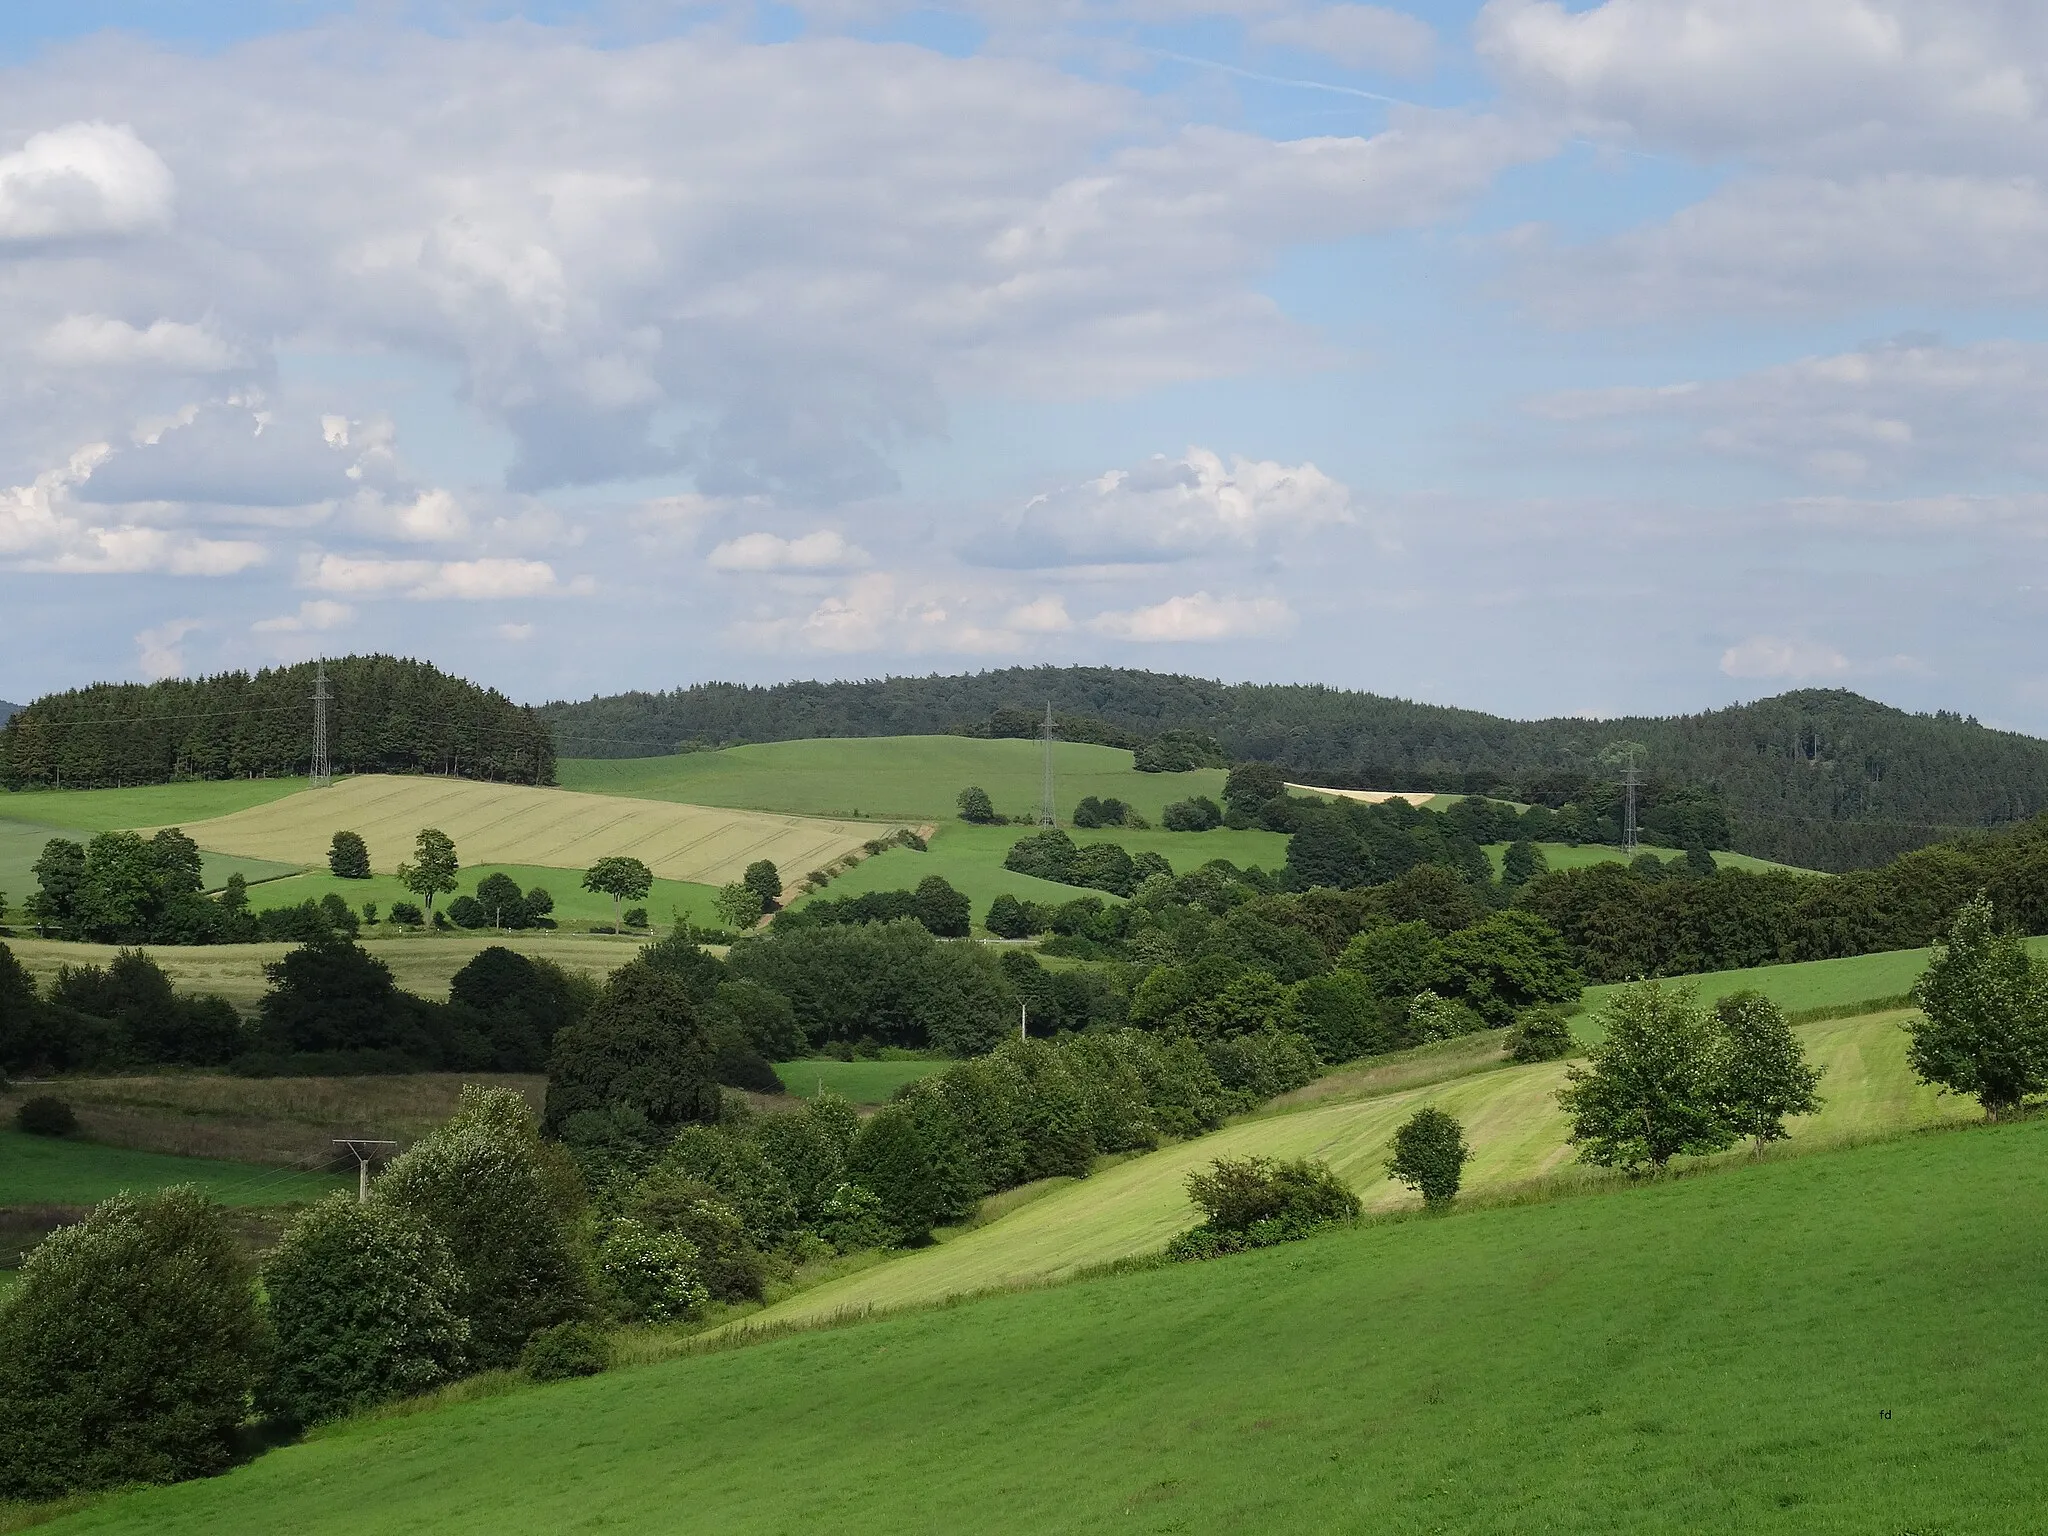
521,824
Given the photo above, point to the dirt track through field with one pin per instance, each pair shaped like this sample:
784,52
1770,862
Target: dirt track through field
521,824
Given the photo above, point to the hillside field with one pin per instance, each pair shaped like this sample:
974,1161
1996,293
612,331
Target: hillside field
146,805
1511,1118
1585,855
21,845
46,1170
574,906
519,824
861,1082
1822,1345
907,778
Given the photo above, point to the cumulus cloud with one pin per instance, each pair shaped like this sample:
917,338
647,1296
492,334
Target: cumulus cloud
1169,509
82,179
43,527
160,651
238,452
824,550
95,341
1198,617
1783,660
482,580
1357,36
317,615
1875,414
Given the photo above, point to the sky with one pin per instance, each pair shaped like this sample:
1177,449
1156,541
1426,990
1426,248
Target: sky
1546,358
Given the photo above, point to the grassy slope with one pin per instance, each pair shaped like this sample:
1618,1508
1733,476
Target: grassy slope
40,1170
21,844
573,905
863,1082
1510,1116
1699,1355
151,805
972,859
422,962
907,777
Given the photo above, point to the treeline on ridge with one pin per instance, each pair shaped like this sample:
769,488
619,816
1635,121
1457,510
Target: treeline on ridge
1821,778
386,714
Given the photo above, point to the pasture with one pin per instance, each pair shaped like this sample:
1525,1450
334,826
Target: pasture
1585,855
46,1170
1510,1116
903,778
145,805
519,824
861,1082
1822,1346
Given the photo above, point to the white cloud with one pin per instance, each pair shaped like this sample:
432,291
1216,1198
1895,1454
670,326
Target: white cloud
1871,415
517,634
1780,659
824,550
1198,617
160,651
43,527
481,580
1357,36
95,341
318,615
1040,616
80,180
1169,509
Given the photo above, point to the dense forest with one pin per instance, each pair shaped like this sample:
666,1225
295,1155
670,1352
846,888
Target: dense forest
385,715
7,711
1820,777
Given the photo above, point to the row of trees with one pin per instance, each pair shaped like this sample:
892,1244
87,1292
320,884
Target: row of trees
387,715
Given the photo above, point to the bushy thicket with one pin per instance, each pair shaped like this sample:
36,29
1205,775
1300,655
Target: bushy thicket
1053,855
388,716
127,1349
944,912
1254,1202
98,1018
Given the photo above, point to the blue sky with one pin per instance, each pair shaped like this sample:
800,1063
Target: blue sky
1547,358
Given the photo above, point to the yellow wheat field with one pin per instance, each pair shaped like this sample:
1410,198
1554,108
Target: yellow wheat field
519,824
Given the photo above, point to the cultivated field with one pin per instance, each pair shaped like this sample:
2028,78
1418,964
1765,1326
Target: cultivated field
909,778
422,963
1820,1346
519,824
1510,1116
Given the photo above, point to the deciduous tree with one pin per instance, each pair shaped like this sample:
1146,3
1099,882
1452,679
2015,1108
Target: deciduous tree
1983,1022
1652,1087
621,878
433,868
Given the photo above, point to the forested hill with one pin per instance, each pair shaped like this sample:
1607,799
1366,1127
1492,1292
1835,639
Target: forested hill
1821,777
385,715
7,711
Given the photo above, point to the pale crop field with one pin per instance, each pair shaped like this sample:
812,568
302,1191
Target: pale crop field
1511,1119
521,824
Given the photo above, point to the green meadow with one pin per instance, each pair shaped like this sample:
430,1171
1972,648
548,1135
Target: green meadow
46,1170
574,906
1819,1345
148,805
861,1082
889,777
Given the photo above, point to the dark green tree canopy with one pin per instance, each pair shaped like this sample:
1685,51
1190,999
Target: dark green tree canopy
348,857
1653,1088
642,1046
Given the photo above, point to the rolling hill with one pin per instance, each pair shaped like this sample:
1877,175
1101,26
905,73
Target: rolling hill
1821,778
1821,1345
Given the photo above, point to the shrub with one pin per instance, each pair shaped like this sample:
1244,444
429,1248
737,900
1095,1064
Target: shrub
481,1181
1338,1015
763,1019
910,1155
407,914
636,917
370,913
853,1220
45,1115
468,912
650,1275
976,807
1439,1018
127,1349
364,1306
348,857
566,1350
1429,1156
1253,1202
1198,813
1542,1035
742,1176
671,1201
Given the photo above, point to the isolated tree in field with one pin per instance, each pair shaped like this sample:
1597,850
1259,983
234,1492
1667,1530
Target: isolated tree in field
765,881
433,868
976,807
348,857
1765,1074
942,909
622,879
127,1349
1429,1156
737,905
1652,1088
1983,1002
365,1305
482,1184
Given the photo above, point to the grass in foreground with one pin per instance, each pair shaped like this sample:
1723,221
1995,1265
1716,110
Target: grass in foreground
44,1170
913,778
1820,1345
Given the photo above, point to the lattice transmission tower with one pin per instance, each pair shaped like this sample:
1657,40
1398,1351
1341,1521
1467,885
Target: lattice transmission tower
323,766
1630,846
1045,816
